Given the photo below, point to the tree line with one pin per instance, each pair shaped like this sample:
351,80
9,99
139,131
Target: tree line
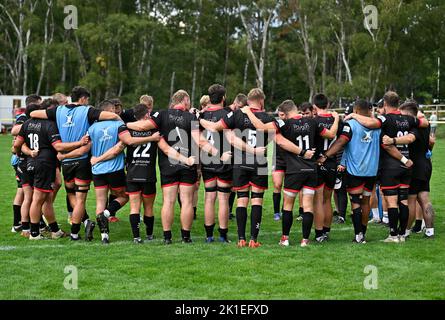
290,48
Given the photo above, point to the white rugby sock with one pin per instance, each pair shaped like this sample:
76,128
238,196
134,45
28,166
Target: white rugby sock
385,217
375,213
429,232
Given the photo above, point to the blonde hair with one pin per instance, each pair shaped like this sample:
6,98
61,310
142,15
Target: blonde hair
60,97
256,94
179,97
205,100
147,100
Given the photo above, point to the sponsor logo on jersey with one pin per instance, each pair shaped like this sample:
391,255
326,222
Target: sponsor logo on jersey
367,137
69,122
105,136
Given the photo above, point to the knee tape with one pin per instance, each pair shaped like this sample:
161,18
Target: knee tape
210,189
243,194
256,195
403,194
356,198
224,190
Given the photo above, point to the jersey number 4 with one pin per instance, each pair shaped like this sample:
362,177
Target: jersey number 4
144,154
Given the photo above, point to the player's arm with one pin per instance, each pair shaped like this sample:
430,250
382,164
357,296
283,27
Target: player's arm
212,126
395,153
127,139
28,151
142,125
106,115
60,146
203,143
40,114
257,123
241,145
110,154
173,154
16,129
338,145
332,133
408,139
76,153
292,147
368,122
432,142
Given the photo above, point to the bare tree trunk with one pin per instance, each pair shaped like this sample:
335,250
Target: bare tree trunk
323,75
83,65
246,70
121,69
311,61
226,60
172,84
341,41
46,43
195,57
258,62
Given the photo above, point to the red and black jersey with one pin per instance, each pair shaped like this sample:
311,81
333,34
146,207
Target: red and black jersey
127,116
325,122
418,151
175,126
395,125
216,139
302,132
41,135
250,135
141,159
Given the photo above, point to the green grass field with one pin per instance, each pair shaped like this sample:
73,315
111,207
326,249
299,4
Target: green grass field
122,270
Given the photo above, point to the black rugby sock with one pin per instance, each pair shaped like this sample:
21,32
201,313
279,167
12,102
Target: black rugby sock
287,222
276,202
255,221
241,221
135,220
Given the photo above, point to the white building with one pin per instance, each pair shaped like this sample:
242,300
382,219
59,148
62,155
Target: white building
8,105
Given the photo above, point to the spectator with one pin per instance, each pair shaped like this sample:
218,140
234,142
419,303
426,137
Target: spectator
433,122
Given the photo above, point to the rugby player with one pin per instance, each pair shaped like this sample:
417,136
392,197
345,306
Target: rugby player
73,122
19,162
217,174
250,171
361,146
42,137
327,173
395,172
420,153
178,128
141,171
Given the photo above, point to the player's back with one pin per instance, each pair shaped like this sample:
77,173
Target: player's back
72,121
302,132
104,136
325,122
396,125
363,150
141,159
217,139
40,135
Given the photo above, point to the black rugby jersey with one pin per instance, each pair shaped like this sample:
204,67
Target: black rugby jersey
250,135
394,125
302,132
325,122
41,135
175,126
216,139
141,159
419,153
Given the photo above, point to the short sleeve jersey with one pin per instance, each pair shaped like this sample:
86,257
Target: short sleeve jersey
175,126
395,125
216,139
245,130
418,152
41,135
104,136
325,122
302,132
73,122
141,159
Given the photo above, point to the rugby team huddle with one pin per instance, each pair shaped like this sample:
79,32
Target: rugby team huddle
315,154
